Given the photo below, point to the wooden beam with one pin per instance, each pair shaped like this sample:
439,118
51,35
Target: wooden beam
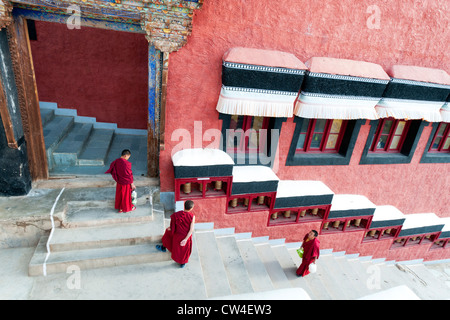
6,119
22,61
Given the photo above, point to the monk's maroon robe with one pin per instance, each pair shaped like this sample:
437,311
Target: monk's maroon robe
180,223
310,255
120,169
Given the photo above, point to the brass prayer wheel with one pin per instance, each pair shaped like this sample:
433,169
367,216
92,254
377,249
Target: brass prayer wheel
287,214
187,188
303,213
200,187
260,200
357,222
218,185
233,202
336,224
372,233
314,211
325,225
274,216
246,200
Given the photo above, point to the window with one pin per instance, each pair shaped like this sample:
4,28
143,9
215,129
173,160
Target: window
298,215
323,142
345,224
247,134
250,202
320,135
195,188
441,139
390,135
392,141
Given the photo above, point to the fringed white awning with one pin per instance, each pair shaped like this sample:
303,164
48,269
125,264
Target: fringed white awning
409,109
319,106
253,102
445,112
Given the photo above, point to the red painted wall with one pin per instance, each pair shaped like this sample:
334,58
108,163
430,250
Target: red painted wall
410,32
101,73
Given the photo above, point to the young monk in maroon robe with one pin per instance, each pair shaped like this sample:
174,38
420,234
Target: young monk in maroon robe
120,169
310,254
178,237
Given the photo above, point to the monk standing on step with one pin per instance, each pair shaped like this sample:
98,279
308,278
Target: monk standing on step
311,252
178,237
120,169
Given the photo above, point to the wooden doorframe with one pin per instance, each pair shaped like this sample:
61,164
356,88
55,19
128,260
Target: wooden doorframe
20,50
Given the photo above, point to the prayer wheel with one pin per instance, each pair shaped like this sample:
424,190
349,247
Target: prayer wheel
303,213
325,225
287,214
348,223
187,188
217,185
336,224
200,187
274,216
314,211
357,222
372,233
246,202
260,200
233,203
388,231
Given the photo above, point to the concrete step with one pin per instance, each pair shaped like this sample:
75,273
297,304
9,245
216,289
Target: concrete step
214,274
47,115
59,262
272,265
289,268
54,131
97,148
66,154
106,236
420,279
257,272
316,282
237,275
90,213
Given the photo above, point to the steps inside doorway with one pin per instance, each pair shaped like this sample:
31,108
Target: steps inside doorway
78,145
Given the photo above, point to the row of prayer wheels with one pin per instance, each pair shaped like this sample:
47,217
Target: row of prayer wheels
259,201
187,187
287,214
428,236
372,233
336,224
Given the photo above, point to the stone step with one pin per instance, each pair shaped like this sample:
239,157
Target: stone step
319,288
257,272
66,154
97,148
47,115
106,236
273,267
89,213
289,268
54,131
214,274
59,262
237,275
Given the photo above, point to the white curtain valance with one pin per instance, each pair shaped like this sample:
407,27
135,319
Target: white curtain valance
254,102
409,109
320,106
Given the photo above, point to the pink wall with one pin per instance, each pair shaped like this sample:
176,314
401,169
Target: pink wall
411,33
101,73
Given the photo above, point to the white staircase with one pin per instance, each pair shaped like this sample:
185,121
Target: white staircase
223,263
235,264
